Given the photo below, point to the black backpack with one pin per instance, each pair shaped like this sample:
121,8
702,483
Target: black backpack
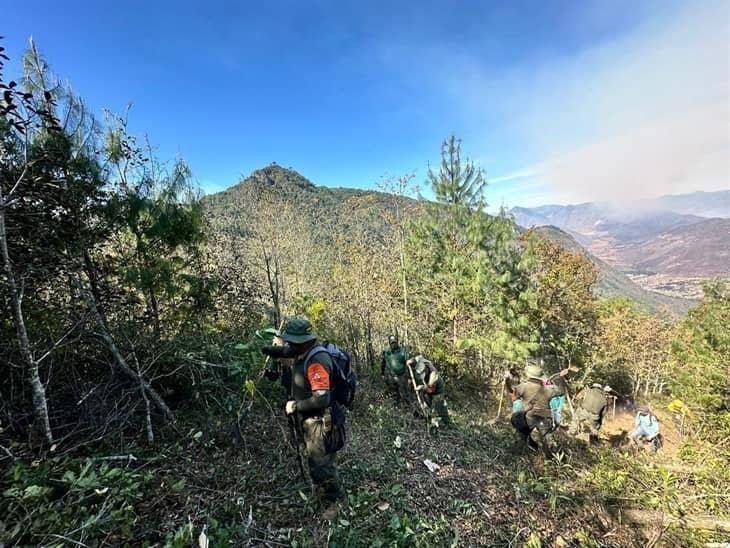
344,379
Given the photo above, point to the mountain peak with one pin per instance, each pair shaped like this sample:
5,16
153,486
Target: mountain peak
275,175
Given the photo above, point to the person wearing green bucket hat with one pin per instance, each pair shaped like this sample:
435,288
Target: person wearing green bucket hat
309,404
534,422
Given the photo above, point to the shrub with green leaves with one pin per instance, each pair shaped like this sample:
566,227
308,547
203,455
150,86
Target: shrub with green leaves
58,501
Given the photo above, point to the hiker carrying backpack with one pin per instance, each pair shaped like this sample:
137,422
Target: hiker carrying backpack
342,392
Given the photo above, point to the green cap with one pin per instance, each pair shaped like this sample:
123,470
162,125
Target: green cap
299,331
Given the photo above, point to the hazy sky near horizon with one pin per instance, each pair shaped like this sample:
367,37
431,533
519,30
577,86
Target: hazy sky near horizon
560,101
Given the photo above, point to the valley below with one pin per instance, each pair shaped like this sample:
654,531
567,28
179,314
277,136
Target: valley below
668,247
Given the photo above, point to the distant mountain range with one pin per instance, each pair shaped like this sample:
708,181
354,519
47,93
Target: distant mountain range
683,236
366,209
703,204
614,283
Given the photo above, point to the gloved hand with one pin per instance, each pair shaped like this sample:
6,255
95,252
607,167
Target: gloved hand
271,375
420,388
291,407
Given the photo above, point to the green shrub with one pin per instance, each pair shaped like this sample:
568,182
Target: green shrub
78,499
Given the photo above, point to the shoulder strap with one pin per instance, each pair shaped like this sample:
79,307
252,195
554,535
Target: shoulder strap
316,349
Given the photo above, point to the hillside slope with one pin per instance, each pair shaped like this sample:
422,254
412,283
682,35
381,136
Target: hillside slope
330,211
700,249
669,237
485,490
325,209
613,283
592,221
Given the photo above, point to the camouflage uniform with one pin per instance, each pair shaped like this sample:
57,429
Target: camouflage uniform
311,385
431,385
589,413
393,363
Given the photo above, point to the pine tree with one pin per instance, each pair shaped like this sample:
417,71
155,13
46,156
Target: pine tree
468,268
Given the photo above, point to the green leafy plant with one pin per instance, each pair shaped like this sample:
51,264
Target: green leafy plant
82,498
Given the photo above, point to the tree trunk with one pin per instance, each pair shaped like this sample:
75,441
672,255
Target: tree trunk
121,363
148,414
454,338
405,288
149,295
40,404
155,313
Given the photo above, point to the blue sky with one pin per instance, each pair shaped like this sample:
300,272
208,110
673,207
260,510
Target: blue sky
558,101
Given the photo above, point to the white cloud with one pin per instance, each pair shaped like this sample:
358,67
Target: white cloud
682,152
513,176
643,114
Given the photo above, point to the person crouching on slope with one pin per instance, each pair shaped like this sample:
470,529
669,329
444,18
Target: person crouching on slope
591,406
430,386
646,427
534,421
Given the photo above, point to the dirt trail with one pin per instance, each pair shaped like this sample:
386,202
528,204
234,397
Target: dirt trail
616,430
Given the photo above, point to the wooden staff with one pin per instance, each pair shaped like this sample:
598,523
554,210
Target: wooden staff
418,394
501,398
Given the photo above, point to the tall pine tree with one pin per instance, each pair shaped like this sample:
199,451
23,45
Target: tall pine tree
467,269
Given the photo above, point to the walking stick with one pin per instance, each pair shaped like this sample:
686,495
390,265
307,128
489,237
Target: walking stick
570,402
418,394
501,398
295,437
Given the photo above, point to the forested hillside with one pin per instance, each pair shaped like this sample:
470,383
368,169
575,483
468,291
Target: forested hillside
136,408
346,211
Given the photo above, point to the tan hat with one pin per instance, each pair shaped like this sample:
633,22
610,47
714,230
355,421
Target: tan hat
534,371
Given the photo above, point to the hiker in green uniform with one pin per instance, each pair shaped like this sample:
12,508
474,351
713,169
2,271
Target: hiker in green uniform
534,421
393,368
310,406
591,405
430,387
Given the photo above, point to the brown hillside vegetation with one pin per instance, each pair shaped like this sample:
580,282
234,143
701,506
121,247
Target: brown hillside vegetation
700,249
